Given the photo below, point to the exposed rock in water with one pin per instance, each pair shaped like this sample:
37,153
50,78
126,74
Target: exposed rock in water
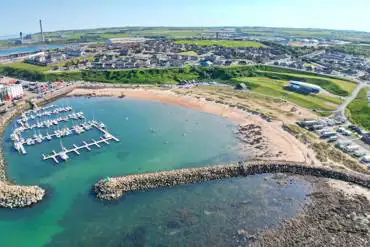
16,196
331,219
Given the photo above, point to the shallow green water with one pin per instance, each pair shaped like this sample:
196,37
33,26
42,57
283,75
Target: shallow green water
189,215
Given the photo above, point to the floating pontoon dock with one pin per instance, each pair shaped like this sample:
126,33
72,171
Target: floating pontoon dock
38,138
63,154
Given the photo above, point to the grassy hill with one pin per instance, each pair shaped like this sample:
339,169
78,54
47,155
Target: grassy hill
334,86
359,109
275,88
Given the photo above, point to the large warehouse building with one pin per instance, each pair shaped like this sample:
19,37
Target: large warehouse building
302,87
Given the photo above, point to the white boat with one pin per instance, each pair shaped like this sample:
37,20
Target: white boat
57,133
14,137
29,141
38,139
86,126
63,156
48,137
102,125
17,146
107,136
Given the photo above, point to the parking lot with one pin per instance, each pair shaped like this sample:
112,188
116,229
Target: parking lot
346,137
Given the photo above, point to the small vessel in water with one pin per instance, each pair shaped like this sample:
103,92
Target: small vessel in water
63,155
17,146
102,125
48,137
29,141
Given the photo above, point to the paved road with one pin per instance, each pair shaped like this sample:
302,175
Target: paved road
341,109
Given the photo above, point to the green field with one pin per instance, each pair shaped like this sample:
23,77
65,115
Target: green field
355,49
275,88
189,53
224,43
332,85
359,109
26,66
113,35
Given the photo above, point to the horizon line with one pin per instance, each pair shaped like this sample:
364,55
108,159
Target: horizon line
164,26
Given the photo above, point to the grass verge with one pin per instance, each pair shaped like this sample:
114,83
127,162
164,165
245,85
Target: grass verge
359,109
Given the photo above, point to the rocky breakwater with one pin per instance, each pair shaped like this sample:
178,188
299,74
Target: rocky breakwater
16,196
114,188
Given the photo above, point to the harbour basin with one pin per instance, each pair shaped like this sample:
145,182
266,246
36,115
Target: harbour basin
153,136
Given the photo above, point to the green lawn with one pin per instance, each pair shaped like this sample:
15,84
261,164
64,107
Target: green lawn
26,66
189,53
359,109
334,86
225,43
275,88
115,35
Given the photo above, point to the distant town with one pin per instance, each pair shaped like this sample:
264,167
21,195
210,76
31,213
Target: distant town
129,53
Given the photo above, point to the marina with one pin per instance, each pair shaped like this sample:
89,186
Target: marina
19,141
41,112
63,154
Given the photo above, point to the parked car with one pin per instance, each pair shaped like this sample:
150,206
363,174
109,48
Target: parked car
365,159
347,133
332,138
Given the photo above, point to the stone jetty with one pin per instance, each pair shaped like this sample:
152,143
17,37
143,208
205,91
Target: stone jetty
114,188
16,196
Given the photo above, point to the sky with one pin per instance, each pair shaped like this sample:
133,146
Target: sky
23,15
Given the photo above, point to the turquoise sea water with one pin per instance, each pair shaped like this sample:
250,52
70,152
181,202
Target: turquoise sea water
186,215
26,49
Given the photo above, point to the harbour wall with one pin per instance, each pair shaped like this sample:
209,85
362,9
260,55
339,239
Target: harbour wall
115,188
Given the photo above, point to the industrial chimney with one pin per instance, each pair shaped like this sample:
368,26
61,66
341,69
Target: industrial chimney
21,37
42,33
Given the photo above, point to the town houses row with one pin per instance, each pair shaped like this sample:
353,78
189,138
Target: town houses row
151,54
